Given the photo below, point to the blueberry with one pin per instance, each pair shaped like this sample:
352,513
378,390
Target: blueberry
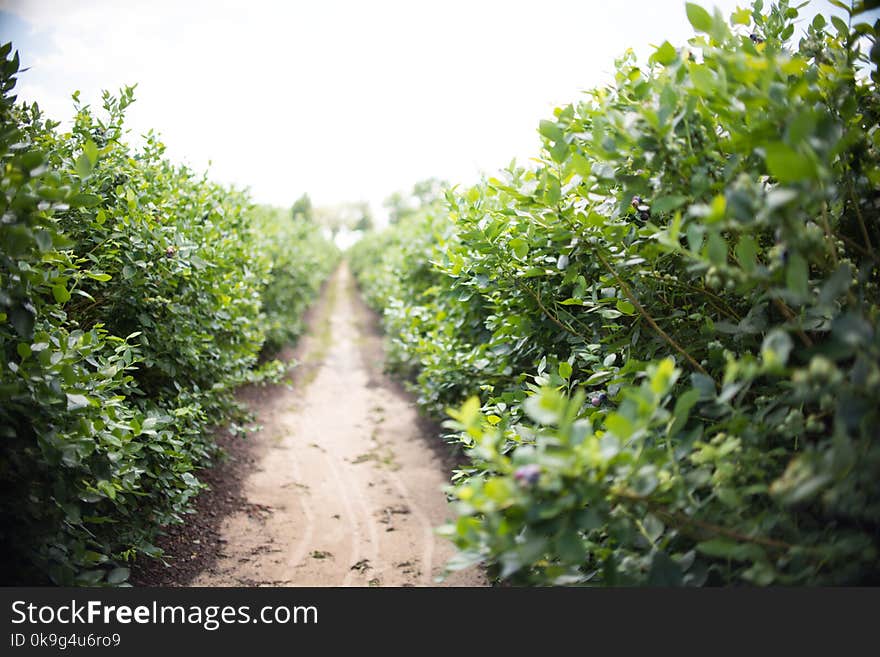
598,399
527,475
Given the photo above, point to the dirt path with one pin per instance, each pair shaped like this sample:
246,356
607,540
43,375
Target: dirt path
347,487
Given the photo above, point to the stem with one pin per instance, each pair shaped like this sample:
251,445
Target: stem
680,520
544,309
858,247
710,527
719,303
789,315
861,219
828,234
644,313
687,127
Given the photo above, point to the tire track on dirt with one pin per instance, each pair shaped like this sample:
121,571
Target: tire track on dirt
298,554
367,475
427,529
350,519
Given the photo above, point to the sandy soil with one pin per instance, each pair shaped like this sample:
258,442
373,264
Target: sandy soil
345,487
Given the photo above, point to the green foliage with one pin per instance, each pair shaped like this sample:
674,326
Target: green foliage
671,323
430,324
301,260
302,209
131,306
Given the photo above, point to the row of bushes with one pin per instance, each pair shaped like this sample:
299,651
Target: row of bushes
669,325
135,296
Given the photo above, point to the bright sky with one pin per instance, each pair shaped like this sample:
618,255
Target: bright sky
345,100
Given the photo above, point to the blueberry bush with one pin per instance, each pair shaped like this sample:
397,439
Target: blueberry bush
301,258
668,330
135,296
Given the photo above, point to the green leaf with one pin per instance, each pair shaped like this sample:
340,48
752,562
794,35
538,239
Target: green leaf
747,253
469,413
695,234
787,165
76,401
107,488
570,547
85,200
726,548
60,293
698,17
703,78
619,425
83,166
559,152
664,571
797,275
599,377
626,307
546,407
741,17
22,319
520,247
837,284
553,192
44,240
89,577
802,480
683,406
565,370
704,385
717,209
580,165
90,150
663,375
865,5
118,576
776,198
776,347
645,481
667,203
839,23
716,249
665,54
551,131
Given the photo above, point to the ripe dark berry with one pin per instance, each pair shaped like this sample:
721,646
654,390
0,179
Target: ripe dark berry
527,475
598,399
